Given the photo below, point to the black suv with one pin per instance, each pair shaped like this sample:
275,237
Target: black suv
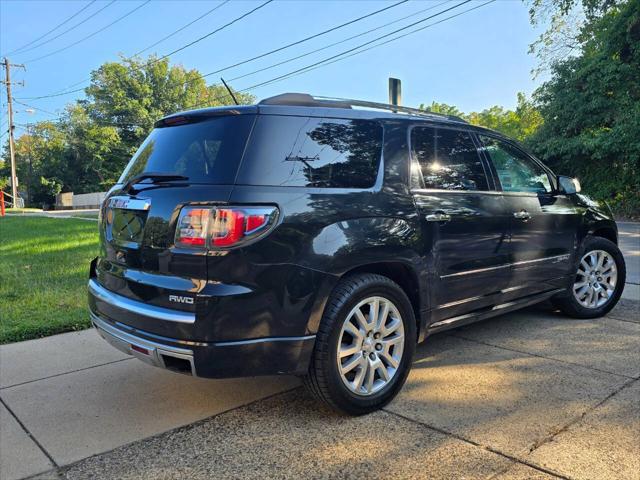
306,236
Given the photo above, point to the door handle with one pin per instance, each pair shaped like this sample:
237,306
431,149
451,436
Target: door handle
438,217
522,215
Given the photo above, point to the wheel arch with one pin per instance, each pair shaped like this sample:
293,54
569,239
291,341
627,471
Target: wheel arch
402,274
605,231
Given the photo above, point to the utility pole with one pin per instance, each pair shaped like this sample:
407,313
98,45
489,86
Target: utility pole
14,177
30,176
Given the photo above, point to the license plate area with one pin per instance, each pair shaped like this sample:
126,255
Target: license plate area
125,228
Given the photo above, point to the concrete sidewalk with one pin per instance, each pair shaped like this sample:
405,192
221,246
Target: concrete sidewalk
70,396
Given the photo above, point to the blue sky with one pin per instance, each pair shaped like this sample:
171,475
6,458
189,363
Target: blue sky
475,60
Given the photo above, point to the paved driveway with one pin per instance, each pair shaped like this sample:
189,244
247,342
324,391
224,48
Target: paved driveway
629,234
530,395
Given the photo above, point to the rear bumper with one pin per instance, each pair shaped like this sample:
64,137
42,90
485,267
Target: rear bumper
238,358
153,353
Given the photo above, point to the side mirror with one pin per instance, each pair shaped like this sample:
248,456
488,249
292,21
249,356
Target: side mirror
568,185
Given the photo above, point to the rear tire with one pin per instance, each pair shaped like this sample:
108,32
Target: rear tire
599,280
362,358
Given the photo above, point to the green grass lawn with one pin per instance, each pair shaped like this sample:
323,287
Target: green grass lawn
44,269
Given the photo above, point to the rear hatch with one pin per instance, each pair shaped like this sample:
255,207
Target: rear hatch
187,159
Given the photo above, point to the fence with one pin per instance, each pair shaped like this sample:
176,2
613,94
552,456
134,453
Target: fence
70,200
4,202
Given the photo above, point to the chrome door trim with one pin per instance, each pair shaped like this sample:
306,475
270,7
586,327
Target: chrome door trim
479,297
426,191
438,217
555,258
416,190
492,311
139,308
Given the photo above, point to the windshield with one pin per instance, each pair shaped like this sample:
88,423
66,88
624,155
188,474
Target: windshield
205,152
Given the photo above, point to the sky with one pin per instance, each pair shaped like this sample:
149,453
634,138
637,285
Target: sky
475,60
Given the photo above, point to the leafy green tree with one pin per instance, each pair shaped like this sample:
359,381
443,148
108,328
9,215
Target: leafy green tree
124,100
35,150
89,146
442,108
133,93
591,107
519,123
565,32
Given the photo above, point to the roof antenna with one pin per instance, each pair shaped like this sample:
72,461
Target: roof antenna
395,92
229,90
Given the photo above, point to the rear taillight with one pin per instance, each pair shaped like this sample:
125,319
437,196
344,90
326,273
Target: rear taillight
222,227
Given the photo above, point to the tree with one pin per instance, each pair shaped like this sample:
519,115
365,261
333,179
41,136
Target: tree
519,123
35,152
88,147
442,108
565,33
133,93
591,107
129,96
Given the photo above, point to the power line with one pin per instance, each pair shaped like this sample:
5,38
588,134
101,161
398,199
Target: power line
362,44
181,28
214,31
53,94
393,39
288,60
35,108
356,47
332,58
353,51
93,121
90,35
235,20
52,30
69,29
297,42
64,90
311,37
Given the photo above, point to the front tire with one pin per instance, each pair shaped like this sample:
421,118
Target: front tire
599,280
364,345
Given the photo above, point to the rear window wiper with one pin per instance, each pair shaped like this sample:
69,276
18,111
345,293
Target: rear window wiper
157,176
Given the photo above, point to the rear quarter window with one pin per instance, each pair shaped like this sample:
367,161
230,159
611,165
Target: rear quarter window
312,152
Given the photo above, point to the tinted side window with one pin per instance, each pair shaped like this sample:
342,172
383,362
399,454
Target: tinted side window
312,152
447,159
516,171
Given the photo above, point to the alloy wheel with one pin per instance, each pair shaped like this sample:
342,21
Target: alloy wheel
370,347
596,279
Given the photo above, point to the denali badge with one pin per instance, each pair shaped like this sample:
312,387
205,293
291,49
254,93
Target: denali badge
179,299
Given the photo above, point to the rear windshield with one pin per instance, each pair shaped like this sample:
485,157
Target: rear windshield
206,152
312,152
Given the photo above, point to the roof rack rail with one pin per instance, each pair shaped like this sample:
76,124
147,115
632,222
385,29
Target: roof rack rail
306,100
